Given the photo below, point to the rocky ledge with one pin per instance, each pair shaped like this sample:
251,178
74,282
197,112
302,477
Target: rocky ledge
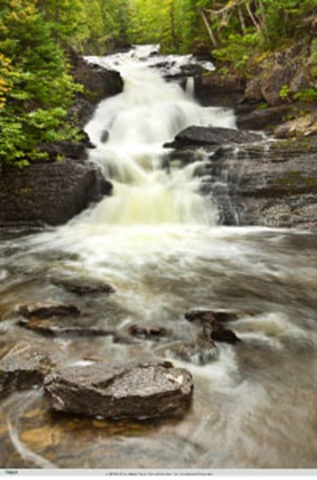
144,390
49,193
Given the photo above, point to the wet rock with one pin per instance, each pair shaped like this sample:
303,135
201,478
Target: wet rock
46,310
218,333
263,118
105,136
204,136
147,390
211,316
49,193
65,149
98,84
83,286
150,332
64,327
23,367
198,352
138,332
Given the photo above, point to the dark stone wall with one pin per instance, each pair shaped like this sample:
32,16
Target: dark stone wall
48,193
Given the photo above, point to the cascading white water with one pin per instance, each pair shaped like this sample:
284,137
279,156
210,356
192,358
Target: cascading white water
137,123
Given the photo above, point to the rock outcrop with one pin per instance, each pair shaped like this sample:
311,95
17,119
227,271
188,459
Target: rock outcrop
144,390
98,84
49,193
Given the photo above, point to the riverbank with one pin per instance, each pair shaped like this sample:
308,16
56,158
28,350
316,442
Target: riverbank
273,185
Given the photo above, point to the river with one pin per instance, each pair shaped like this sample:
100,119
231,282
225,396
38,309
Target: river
158,242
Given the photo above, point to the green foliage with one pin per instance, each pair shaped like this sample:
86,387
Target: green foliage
35,88
237,50
285,92
308,95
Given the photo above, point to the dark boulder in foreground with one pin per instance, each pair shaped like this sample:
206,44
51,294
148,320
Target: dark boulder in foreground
144,390
196,136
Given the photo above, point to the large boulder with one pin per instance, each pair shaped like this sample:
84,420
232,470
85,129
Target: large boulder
49,193
144,390
203,136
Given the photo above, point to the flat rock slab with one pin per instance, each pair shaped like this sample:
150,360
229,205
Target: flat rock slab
143,390
23,367
83,286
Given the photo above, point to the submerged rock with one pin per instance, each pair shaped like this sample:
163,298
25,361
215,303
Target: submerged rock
23,367
83,286
46,310
199,352
138,332
148,390
64,327
213,329
211,316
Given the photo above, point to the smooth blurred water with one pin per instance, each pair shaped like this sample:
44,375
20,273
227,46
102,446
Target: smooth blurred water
157,242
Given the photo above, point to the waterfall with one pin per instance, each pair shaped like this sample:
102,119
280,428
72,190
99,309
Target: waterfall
129,131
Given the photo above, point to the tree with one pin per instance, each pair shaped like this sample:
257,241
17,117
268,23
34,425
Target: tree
35,87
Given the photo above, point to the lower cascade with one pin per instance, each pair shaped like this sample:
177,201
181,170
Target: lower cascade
148,279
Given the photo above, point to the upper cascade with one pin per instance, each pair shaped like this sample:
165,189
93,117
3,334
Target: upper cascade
129,131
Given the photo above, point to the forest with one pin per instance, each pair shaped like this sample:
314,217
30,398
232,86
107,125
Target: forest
36,36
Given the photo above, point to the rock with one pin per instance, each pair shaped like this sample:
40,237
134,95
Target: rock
303,126
138,332
49,193
64,327
46,310
23,367
144,390
263,118
198,352
211,316
147,332
223,90
105,136
285,68
225,335
98,84
83,286
204,136
66,149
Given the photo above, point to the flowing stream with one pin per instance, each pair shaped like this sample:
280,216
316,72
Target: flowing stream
157,241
